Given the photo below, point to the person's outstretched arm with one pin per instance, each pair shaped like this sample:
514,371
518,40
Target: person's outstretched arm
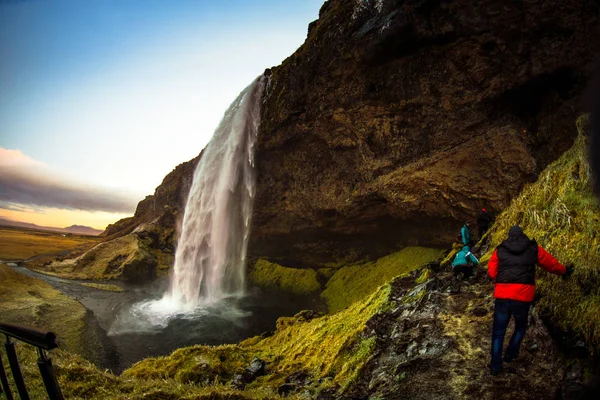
493,265
549,263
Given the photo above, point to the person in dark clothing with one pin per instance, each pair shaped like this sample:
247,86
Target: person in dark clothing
512,267
466,236
484,219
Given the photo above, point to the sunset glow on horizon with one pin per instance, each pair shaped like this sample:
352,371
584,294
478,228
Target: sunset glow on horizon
104,98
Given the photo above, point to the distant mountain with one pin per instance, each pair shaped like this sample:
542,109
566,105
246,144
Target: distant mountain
75,229
82,230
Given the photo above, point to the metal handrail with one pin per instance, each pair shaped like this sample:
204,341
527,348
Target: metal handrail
43,341
35,337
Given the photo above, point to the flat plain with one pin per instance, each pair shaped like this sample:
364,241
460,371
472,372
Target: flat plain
22,244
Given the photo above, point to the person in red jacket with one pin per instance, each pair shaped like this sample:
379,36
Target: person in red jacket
512,267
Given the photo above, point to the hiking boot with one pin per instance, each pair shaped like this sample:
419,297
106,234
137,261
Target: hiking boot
495,372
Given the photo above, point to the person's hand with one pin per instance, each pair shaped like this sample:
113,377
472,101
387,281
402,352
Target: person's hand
569,270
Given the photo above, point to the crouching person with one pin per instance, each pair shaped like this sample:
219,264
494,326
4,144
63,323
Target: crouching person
512,267
464,263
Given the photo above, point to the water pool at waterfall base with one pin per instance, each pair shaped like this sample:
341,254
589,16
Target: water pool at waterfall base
152,327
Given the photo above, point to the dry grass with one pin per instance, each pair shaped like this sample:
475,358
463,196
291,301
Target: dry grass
24,244
29,301
561,213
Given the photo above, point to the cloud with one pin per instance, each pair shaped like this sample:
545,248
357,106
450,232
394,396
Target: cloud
16,158
25,181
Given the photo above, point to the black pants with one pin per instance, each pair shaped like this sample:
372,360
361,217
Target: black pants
467,270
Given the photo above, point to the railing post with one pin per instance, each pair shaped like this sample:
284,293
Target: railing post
4,381
48,376
13,361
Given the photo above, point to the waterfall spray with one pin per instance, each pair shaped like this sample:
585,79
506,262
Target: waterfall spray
210,256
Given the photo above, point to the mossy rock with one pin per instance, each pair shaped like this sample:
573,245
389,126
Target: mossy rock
292,280
352,283
126,257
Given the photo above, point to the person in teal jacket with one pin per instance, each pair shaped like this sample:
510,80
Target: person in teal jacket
463,262
465,234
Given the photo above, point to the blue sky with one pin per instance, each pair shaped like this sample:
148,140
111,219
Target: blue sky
114,94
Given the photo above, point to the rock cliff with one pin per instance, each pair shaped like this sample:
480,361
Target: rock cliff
397,120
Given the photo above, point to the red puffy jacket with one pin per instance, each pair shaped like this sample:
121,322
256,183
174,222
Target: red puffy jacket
520,291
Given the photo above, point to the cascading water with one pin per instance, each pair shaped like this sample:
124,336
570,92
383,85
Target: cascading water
202,303
210,256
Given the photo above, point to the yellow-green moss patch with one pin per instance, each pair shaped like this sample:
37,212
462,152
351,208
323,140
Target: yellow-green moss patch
293,280
561,213
350,284
79,379
104,286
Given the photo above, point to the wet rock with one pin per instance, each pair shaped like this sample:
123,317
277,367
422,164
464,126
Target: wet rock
534,348
432,347
295,382
255,369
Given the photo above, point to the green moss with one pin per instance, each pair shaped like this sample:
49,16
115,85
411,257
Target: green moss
326,273
561,213
79,379
103,286
196,364
292,280
426,274
350,284
331,346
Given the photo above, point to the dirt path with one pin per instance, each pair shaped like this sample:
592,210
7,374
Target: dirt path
439,347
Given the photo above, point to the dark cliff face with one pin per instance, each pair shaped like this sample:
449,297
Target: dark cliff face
397,120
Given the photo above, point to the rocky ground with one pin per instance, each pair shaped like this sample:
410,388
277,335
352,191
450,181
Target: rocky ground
444,340
438,347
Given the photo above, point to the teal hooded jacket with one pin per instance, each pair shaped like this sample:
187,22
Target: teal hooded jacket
464,257
465,234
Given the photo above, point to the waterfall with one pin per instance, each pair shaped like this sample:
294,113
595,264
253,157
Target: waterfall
211,251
